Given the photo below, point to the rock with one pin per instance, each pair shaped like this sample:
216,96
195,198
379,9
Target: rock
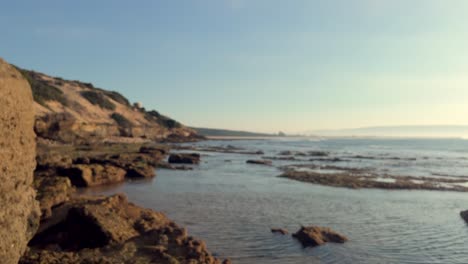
135,165
50,160
313,236
83,175
281,231
150,149
318,153
165,165
51,191
82,160
286,153
464,215
19,211
291,153
126,160
184,158
112,230
260,162
140,171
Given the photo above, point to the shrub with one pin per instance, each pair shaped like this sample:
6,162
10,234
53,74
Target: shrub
117,97
162,120
98,98
121,120
42,91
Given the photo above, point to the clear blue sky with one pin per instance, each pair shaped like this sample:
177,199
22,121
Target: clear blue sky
262,65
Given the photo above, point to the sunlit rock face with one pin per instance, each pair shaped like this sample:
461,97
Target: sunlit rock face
19,211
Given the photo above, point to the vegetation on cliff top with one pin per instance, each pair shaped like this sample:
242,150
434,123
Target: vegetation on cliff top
41,90
121,120
161,119
98,98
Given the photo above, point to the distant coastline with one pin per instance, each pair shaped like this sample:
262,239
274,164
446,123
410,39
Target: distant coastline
214,132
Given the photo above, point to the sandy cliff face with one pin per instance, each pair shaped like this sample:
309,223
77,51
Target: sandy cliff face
71,111
19,211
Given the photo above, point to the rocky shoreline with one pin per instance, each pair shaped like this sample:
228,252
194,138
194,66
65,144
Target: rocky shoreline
70,123
112,230
81,229
356,178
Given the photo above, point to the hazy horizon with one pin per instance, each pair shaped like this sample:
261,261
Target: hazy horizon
264,66
426,131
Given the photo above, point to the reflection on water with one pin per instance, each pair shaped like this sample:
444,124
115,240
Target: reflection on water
233,205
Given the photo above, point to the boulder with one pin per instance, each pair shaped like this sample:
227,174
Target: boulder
87,175
313,236
19,211
112,230
51,191
260,162
140,171
281,231
184,158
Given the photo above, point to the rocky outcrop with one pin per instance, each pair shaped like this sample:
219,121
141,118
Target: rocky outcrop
19,211
104,164
313,236
87,175
112,230
260,162
184,158
51,191
356,178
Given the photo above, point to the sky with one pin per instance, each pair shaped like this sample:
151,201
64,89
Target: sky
258,65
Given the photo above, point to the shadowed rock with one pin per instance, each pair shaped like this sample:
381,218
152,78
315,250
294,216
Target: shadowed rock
281,231
93,174
464,215
313,236
112,230
51,191
260,162
183,158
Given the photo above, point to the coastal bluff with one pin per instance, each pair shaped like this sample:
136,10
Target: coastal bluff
19,211
75,112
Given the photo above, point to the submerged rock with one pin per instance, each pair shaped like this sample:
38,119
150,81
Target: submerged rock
281,231
184,158
313,236
318,153
464,215
260,162
112,230
166,165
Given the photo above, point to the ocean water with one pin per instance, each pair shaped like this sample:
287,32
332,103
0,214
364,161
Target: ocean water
232,205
